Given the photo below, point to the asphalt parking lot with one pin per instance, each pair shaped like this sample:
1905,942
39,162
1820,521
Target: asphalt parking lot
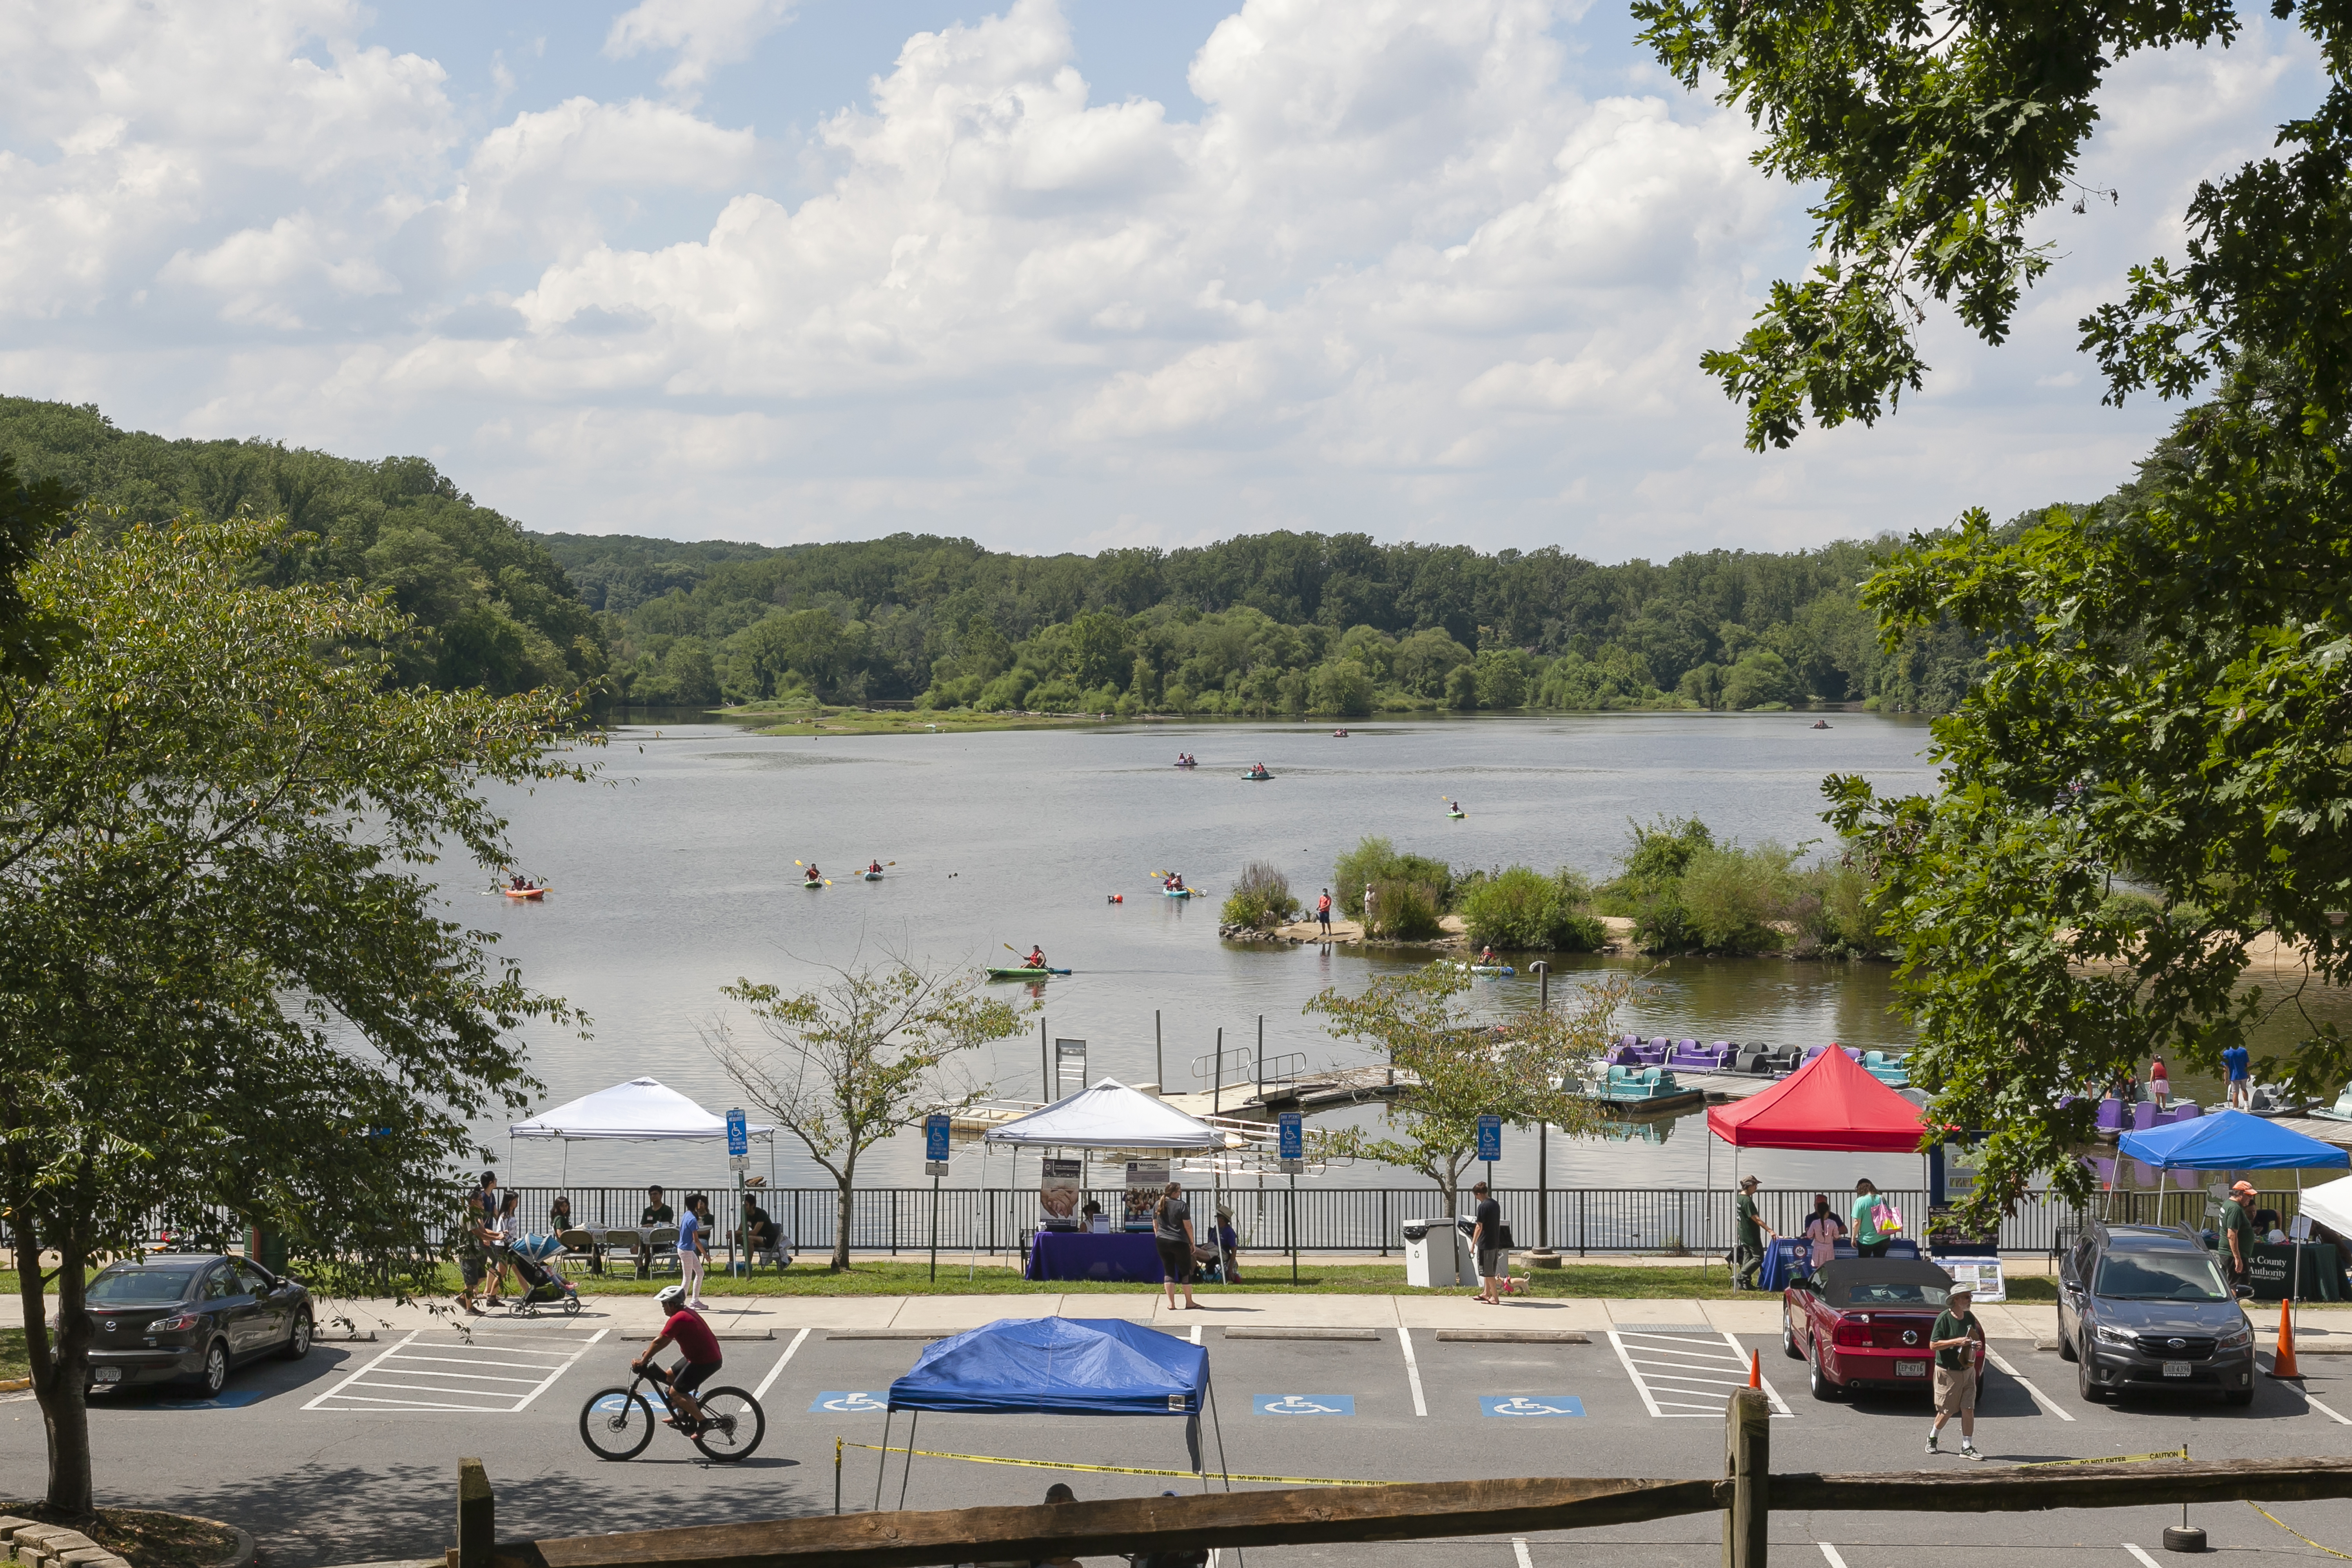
350,1456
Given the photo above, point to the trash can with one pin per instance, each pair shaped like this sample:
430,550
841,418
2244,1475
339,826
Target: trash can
1433,1253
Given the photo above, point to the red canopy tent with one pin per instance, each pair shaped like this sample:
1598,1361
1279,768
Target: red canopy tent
1828,1103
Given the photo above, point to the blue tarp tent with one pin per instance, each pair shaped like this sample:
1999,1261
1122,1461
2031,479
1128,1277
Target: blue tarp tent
2230,1141
1059,1366
1054,1366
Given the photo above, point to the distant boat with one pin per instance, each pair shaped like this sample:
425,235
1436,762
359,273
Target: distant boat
1339,734
1820,724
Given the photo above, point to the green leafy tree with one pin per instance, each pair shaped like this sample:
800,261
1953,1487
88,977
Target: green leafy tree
860,1060
1458,1065
226,982
1343,688
1519,909
1261,897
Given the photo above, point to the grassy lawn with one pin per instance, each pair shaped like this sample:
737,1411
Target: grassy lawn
13,1363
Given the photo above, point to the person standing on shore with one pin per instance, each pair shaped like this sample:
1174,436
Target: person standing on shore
1171,1235
1323,913
1370,899
1868,1240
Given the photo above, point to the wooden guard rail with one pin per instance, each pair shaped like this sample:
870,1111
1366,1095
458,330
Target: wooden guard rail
1413,1510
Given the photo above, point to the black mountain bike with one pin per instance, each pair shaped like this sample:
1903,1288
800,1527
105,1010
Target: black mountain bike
618,1423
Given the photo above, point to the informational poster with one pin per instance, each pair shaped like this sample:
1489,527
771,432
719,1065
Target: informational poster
1960,1169
1058,1192
1146,1179
1980,1275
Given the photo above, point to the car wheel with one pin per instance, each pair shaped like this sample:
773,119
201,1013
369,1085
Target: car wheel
1789,1345
215,1375
2092,1393
298,1343
1819,1380
2066,1351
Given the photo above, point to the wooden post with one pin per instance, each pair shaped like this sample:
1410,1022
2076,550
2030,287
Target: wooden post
477,1517
1748,1465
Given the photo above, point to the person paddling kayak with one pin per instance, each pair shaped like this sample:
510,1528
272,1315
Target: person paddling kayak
1036,959
874,869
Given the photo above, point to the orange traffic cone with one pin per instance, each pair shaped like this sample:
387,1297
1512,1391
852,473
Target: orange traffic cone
1755,1369
2283,1359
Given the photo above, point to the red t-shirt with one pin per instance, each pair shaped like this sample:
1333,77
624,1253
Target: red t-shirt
691,1335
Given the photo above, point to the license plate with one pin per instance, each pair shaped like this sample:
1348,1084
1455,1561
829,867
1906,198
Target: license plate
106,1375
1910,1369
2176,1369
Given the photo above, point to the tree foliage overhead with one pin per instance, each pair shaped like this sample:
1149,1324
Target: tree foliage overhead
1935,132
492,608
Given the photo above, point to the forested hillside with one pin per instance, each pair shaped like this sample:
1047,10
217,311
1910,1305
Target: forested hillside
494,609
1261,624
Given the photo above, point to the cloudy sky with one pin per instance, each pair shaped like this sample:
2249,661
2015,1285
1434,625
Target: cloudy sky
1053,274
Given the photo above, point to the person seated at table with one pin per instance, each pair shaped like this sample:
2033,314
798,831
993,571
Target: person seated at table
2267,1226
760,1232
1227,1244
1088,1213
657,1212
559,1216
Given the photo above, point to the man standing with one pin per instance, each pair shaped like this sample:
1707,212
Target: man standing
1954,1339
1486,1242
1370,917
1752,1230
2237,1062
1323,913
2238,1224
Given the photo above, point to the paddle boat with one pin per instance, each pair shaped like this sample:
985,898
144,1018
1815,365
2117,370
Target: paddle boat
2339,1111
1257,775
1820,724
1188,762
1636,1090
1022,973
872,876
1339,734
532,893
1487,968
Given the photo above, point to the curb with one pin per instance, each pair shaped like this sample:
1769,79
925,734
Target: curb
244,1554
15,1384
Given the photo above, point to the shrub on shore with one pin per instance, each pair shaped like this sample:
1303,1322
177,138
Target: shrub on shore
1404,909
1521,910
1261,898
1374,860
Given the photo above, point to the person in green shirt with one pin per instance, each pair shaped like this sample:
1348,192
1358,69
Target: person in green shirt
1868,1240
2238,1229
1752,1230
1954,1339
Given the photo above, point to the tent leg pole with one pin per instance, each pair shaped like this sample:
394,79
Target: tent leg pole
914,1420
1224,1470
882,1465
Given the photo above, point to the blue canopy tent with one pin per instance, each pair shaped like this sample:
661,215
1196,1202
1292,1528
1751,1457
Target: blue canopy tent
2233,1141
1056,1366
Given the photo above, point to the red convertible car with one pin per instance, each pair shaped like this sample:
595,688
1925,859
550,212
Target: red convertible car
1864,1323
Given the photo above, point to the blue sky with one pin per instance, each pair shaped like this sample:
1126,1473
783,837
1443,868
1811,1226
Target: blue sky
1049,275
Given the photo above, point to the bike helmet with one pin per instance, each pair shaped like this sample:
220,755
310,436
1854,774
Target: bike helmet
670,1298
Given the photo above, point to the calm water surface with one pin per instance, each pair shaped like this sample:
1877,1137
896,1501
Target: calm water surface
678,874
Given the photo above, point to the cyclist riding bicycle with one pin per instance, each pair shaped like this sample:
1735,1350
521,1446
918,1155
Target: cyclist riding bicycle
686,1329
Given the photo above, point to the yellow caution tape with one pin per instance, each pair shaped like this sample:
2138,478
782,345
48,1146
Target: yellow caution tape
1110,1470
2179,1453
2299,1535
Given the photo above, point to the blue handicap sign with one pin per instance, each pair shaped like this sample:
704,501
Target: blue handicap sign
738,1132
935,1139
1490,1138
1530,1405
851,1402
228,1399
1294,1136
612,1404
1303,1404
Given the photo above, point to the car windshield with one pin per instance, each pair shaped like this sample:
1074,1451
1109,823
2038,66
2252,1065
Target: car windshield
2159,1277
140,1287
1896,1293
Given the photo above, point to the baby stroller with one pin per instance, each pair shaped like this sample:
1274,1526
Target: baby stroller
531,1259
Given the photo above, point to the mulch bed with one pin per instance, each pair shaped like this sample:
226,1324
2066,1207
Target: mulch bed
144,1537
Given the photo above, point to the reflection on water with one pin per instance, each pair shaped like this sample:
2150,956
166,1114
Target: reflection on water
680,877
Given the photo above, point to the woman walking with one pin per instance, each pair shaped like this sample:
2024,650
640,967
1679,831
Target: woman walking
694,1247
1868,1240
1171,1233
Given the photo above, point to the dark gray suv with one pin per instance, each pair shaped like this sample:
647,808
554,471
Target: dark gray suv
189,1317
2143,1306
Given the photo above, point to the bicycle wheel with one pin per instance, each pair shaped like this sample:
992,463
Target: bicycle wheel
616,1424
732,1424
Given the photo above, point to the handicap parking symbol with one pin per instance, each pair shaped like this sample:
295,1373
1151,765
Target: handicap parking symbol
228,1399
1303,1404
851,1402
614,1403
1530,1404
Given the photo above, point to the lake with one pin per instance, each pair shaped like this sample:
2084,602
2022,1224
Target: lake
679,873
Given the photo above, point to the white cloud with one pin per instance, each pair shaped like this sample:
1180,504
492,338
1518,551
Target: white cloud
705,33
1398,274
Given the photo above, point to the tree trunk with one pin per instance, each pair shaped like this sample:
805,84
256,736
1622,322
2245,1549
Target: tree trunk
56,1361
841,1219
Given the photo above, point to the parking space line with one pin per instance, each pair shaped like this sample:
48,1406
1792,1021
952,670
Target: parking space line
777,1371
476,1376
1678,1375
436,1388
2040,1398
1519,1550
1832,1553
1618,1344
414,1366
408,1404
2146,1560
388,1353
549,1381
2324,1410
1412,1370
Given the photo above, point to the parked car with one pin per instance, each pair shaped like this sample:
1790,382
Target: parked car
180,1316
1864,1323
2146,1307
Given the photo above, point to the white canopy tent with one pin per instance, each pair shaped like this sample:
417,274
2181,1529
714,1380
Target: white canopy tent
641,1110
2330,1203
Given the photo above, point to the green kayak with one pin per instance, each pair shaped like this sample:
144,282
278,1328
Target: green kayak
1023,974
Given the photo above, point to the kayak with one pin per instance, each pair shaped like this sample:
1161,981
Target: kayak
1457,815
524,892
813,883
1023,974
1490,969
1179,892
873,875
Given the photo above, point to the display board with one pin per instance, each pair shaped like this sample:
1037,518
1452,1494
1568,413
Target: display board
1982,1274
1060,1189
1146,1179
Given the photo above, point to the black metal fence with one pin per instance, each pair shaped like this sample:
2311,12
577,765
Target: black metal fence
1580,1220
